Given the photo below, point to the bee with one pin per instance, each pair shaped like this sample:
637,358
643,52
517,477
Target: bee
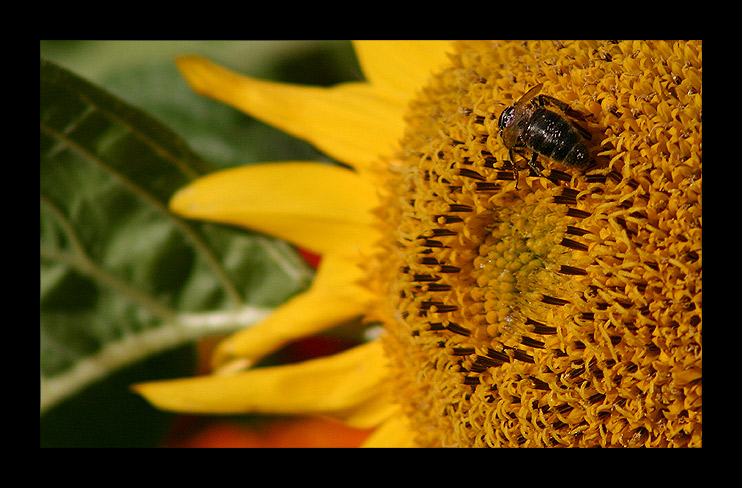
531,125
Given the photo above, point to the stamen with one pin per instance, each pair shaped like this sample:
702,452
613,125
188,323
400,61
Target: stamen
438,287
463,351
448,219
539,328
498,356
522,356
449,269
487,187
540,384
527,341
573,244
580,214
433,243
469,173
575,373
439,307
556,176
595,178
457,329
443,232
571,270
488,362
615,176
576,231
425,277
553,300
564,408
565,200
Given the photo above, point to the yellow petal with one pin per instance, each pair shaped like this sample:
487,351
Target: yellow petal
352,122
339,272
401,66
334,297
372,412
304,315
319,207
394,432
349,385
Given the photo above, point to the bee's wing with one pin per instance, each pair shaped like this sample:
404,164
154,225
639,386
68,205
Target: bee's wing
529,95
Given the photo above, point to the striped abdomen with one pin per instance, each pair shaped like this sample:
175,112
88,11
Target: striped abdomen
552,136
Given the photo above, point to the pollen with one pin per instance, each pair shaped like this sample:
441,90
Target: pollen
560,309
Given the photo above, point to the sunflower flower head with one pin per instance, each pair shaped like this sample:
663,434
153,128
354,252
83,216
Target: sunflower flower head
558,308
566,311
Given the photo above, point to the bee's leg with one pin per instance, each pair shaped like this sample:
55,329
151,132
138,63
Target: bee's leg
585,133
513,167
543,100
533,164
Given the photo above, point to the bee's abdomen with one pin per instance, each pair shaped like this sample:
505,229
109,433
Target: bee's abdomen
554,137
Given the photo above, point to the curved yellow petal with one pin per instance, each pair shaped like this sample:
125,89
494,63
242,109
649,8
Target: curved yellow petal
401,67
394,432
373,412
304,315
340,272
346,386
319,207
334,297
351,122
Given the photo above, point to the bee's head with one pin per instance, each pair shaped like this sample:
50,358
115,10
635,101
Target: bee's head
506,118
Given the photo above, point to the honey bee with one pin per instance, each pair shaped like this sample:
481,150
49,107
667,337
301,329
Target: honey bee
529,124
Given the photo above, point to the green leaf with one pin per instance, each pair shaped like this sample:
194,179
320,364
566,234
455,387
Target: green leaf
122,278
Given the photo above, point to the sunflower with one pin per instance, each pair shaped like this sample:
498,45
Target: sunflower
559,307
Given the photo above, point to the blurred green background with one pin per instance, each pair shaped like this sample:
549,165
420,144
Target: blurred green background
143,73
